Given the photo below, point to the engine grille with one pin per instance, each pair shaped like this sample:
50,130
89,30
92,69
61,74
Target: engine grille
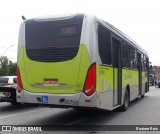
52,54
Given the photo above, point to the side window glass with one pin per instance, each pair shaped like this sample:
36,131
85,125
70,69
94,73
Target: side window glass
131,52
115,44
104,44
142,62
125,56
130,56
135,60
4,80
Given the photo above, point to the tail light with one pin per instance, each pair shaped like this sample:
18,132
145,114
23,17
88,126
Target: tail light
90,83
19,82
6,94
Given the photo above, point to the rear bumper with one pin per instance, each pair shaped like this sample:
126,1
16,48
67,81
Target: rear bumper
11,97
62,100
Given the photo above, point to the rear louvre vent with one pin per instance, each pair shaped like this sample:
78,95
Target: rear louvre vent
52,54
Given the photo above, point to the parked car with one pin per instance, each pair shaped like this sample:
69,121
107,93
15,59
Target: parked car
8,86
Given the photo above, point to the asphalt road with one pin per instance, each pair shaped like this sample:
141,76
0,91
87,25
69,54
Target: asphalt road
144,111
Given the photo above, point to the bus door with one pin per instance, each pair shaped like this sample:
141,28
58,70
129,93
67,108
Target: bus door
139,73
117,71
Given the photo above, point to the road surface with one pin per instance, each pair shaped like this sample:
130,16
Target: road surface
144,111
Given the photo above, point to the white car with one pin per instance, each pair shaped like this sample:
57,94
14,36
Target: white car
8,89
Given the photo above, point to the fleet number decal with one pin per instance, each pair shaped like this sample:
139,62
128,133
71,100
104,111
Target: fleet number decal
71,102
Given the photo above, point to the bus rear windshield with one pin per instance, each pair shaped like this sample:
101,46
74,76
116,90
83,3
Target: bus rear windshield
4,80
53,41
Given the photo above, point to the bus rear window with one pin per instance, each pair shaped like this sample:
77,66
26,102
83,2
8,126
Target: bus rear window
53,40
4,80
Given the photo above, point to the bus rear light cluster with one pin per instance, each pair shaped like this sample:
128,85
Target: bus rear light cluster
19,81
90,82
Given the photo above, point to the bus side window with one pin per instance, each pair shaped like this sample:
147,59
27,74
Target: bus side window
142,62
135,60
145,63
125,56
104,45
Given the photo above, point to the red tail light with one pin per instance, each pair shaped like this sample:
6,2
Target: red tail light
6,94
19,82
90,83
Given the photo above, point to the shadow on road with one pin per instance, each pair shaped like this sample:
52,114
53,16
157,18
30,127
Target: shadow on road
9,108
54,116
72,117
81,117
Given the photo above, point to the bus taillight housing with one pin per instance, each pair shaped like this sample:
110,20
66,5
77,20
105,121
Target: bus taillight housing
90,82
19,81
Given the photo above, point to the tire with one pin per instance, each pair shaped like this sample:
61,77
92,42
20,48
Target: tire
125,105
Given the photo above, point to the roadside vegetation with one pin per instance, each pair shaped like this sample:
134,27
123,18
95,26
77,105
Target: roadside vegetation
7,67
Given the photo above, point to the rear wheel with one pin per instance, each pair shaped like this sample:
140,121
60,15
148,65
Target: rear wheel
125,105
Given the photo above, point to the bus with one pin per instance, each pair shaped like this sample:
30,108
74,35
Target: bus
79,61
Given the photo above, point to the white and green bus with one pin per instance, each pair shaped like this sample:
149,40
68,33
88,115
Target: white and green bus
79,61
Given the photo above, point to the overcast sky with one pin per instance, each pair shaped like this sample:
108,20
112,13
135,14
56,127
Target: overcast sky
139,19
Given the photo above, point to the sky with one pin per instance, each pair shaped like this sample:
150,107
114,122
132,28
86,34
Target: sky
139,19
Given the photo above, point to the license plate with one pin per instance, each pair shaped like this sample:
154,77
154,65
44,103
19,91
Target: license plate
51,82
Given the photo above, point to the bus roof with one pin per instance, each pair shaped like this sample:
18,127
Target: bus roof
111,27
127,38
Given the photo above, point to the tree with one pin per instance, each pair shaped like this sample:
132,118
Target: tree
7,67
12,68
4,65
